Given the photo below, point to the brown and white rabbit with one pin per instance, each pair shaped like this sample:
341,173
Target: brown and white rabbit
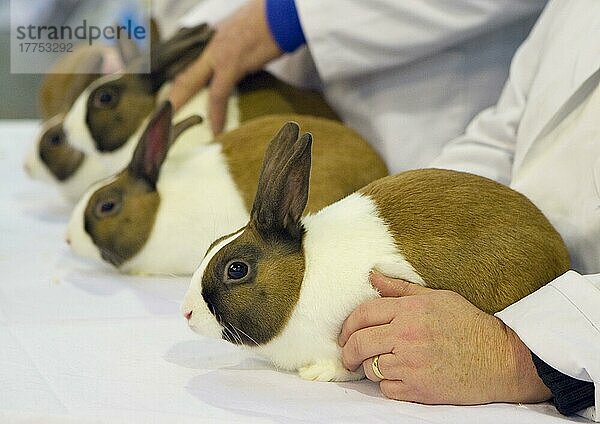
107,119
159,216
283,284
52,158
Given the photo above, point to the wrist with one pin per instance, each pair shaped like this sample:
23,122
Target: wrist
523,384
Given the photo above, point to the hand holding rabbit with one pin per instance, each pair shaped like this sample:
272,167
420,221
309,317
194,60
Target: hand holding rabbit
241,45
435,347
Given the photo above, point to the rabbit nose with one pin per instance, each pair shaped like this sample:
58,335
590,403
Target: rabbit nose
68,240
188,315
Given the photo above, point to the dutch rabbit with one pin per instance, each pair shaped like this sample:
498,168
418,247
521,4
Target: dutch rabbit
283,284
160,214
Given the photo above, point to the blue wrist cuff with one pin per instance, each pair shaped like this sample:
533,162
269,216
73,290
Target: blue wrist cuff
284,24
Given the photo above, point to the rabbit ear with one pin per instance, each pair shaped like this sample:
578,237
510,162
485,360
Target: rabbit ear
185,125
170,57
89,70
151,151
128,49
283,184
154,31
91,64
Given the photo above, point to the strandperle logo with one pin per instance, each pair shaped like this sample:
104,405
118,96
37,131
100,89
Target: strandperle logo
83,32
79,37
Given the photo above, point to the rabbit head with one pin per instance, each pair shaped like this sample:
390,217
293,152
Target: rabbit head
114,219
109,111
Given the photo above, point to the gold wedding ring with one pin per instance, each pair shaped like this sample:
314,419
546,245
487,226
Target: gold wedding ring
375,367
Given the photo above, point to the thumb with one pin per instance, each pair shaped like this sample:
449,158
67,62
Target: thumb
392,287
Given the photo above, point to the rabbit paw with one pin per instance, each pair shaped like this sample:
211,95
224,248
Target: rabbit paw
328,371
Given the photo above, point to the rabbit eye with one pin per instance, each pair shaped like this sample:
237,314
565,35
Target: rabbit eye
105,98
237,270
56,140
107,207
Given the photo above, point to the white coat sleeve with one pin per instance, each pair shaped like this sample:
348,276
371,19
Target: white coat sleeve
487,148
209,11
169,12
350,38
560,323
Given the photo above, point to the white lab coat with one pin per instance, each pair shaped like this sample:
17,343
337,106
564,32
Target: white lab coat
408,75
553,74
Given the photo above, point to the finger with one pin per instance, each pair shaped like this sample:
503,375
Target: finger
364,344
368,314
392,287
221,88
399,390
387,364
190,81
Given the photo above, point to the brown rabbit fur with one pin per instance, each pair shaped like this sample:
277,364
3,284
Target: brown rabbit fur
465,264
245,147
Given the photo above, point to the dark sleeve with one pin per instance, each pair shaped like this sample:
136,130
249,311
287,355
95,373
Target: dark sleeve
570,395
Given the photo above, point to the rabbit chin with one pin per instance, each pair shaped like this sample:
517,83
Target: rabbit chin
202,322
35,168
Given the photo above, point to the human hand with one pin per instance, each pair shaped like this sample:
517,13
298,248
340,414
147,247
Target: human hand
242,44
435,347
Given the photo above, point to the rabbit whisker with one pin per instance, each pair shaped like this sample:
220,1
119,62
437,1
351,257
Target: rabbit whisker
228,335
245,334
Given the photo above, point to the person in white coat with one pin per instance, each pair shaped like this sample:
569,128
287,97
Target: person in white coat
406,74
542,138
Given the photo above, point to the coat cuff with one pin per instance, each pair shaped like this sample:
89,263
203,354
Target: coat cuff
560,324
284,24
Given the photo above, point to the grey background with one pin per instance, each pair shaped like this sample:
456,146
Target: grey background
18,92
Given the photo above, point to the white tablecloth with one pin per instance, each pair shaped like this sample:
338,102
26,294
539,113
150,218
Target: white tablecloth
80,343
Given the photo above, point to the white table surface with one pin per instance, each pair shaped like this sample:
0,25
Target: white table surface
80,343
